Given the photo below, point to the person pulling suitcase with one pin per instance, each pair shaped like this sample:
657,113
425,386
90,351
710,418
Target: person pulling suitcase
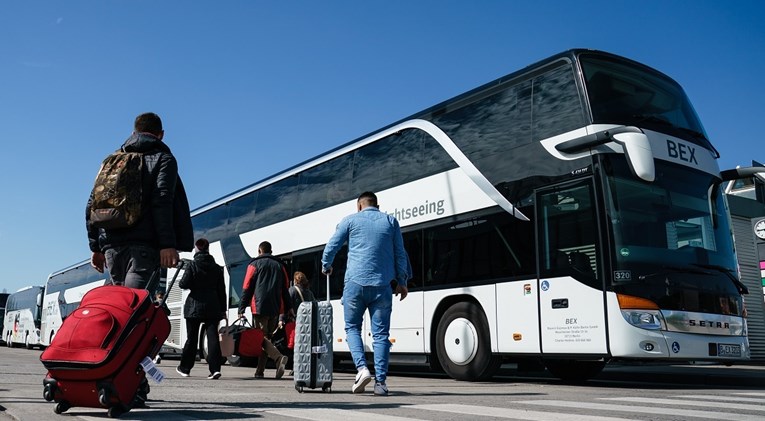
137,216
376,257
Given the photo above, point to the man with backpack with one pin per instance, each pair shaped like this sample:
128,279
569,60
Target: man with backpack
137,216
158,221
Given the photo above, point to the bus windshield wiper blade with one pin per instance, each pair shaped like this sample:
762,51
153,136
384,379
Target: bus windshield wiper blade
664,122
641,118
743,289
674,269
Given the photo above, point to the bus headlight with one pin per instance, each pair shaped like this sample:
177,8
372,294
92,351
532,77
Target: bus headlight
641,312
644,319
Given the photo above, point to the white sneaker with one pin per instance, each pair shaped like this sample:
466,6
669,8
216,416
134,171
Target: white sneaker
381,389
363,377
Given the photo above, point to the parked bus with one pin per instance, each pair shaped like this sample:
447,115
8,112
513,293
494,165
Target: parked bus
3,300
63,293
568,213
22,318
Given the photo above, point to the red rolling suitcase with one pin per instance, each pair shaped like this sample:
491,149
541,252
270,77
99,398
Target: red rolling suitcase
95,358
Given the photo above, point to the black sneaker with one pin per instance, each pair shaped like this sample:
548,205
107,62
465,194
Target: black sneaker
214,376
182,371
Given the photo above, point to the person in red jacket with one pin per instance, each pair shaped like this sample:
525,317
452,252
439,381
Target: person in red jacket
266,289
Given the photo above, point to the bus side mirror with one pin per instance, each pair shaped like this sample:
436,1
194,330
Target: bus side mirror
745,172
637,147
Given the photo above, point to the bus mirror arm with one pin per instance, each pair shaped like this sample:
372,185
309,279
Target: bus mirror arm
634,142
738,173
596,139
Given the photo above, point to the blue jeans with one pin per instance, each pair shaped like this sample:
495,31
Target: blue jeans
379,300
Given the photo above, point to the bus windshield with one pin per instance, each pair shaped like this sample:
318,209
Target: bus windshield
672,240
621,93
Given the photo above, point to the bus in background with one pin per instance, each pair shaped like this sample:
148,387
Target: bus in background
22,318
3,300
570,213
63,293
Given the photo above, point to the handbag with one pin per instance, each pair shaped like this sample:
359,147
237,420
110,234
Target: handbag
289,331
226,335
250,339
247,341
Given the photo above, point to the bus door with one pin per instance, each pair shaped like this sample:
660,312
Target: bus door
571,293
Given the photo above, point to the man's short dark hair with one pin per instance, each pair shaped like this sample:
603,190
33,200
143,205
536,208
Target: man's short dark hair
265,247
148,123
368,198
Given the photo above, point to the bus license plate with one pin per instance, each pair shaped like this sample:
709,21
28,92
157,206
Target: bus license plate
728,350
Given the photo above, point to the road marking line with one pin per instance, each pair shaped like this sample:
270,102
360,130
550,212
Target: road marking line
723,398
645,410
513,413
323,414
674,402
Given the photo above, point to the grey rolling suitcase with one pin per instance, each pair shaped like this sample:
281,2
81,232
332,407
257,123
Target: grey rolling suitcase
313,358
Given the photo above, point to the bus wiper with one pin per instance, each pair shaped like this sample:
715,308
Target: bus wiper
641,118
674,269
664,122
742,289
700,136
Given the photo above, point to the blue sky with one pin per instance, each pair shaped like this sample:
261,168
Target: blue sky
249,88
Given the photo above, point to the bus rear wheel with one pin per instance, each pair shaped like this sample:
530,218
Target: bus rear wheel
463,343
573,371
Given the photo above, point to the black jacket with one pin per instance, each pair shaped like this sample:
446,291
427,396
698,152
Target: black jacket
165,216
265,288
295,297
207,299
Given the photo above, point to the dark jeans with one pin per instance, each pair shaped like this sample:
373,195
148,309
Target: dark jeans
192,340
133,265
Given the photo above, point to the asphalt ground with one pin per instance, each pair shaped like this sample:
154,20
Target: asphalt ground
237,393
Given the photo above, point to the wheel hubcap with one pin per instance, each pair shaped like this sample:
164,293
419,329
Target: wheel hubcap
461,341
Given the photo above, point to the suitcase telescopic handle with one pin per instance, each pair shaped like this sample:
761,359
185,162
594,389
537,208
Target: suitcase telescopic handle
181,265
327,287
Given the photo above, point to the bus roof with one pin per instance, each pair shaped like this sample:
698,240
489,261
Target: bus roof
571,54
74,266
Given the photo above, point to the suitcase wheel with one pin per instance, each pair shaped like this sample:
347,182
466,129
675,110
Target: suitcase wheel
61,407
103,398
327,389
299,388
49,389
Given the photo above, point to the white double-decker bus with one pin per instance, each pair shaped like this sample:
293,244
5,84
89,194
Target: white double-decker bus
568,213
22,318
63,293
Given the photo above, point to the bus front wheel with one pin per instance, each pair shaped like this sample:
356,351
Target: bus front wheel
463,344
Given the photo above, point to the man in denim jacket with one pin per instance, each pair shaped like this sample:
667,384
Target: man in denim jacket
376,257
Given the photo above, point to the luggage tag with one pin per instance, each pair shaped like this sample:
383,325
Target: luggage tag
151,369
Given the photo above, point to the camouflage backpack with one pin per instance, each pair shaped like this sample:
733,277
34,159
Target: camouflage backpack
117,193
